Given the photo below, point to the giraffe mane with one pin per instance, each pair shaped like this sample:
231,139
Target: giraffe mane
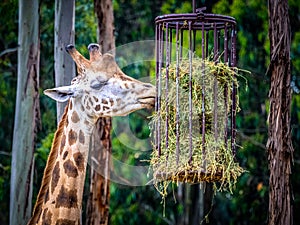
48,169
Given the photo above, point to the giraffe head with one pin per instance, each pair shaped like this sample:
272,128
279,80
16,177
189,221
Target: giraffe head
101,88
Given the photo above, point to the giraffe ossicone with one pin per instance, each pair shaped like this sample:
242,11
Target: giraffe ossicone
101,89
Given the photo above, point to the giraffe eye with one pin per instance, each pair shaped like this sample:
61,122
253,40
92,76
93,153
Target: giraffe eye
95,84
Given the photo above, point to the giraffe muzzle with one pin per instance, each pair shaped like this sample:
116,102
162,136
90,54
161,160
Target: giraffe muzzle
147,101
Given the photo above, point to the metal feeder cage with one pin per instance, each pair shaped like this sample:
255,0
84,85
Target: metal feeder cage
192,40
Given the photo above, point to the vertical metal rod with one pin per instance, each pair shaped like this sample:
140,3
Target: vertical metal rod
171,39
191,50
215,85
225,44
203,95
233,114
181,43
177,96
206,43
156,85
157,58
226,86
219,52
194,6
233,46
160,61
215,43
167,85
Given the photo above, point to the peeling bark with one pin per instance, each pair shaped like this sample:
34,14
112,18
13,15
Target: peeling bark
106,28
279,146
99,196
27,113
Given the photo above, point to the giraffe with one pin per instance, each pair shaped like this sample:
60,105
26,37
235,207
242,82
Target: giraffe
101,89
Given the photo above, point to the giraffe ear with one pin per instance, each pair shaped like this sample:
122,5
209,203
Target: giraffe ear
61,94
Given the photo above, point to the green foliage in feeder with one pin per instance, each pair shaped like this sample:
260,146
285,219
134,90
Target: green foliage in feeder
211,160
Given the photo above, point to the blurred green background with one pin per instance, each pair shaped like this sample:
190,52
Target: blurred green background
134,21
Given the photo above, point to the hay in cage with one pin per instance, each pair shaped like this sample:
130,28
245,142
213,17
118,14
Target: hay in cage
211,160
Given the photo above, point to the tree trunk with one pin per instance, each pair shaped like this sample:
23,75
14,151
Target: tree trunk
197,202
279,146
99,196
27,113
105,16
64,34
98,202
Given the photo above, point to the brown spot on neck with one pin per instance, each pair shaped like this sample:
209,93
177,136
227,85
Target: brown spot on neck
65,154
72,137
70,169
70,105
62,143
79,161
81,137
55,177
75,117
66,198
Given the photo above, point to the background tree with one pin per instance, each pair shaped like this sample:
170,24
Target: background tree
280,149
99,195
64,30
27,114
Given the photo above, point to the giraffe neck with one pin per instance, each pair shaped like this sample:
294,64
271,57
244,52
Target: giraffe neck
60,198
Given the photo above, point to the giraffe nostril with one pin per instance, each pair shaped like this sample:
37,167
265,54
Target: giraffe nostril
93,47
69,47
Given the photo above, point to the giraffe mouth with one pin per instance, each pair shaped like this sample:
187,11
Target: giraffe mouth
147,102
